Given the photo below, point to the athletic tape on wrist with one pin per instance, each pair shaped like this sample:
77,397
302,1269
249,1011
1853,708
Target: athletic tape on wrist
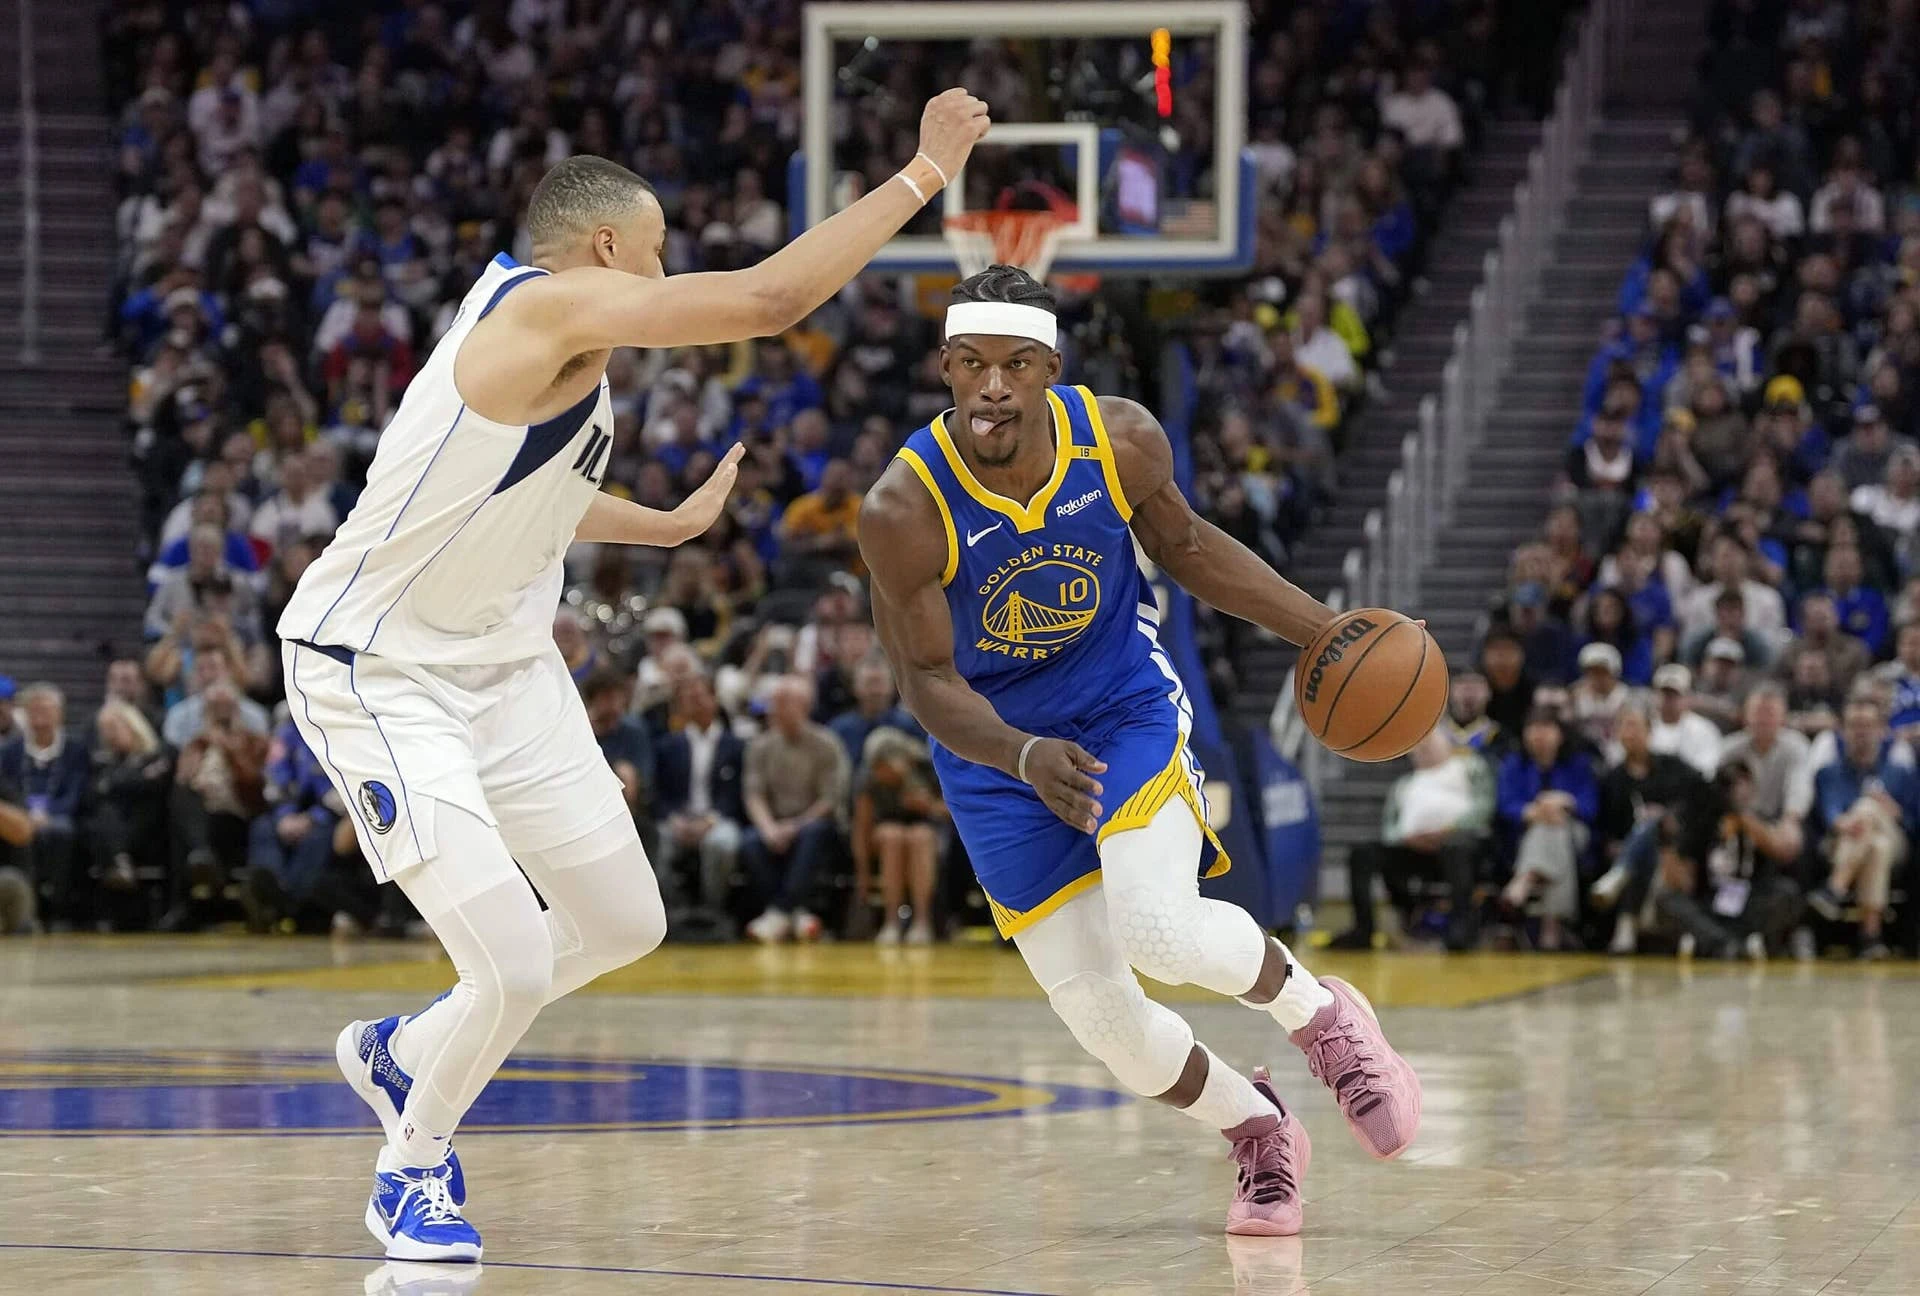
937,168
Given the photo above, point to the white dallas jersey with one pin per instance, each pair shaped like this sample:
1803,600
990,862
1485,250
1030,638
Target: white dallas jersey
452,557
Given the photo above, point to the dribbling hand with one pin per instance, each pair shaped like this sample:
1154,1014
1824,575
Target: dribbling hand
1062,773
700,509
952,124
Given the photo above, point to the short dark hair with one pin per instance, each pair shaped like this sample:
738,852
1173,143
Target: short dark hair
577,194
1005,283
602,681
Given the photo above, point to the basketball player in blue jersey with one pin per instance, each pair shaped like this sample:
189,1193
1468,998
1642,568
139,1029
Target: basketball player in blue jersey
420,662
1001,542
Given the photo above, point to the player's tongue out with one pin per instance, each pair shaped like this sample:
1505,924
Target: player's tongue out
982,424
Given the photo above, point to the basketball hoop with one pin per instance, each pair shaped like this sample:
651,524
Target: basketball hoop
1027,239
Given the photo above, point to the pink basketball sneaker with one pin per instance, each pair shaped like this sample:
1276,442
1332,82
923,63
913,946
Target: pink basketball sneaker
1378,1092
1273,1152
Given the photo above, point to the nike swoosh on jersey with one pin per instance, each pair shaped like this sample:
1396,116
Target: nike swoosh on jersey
974,536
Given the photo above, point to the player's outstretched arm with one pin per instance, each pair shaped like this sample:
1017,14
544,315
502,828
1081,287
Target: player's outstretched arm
906,550
612,520
1206,562
592,308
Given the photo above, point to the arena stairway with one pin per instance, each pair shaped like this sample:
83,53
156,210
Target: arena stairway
71,594
1504,499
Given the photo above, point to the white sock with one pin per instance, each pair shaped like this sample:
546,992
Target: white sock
1228,1098
1299,999
417,1037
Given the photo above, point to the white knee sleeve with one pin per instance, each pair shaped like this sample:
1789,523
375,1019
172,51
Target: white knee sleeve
1145,1045
1165,927
604,906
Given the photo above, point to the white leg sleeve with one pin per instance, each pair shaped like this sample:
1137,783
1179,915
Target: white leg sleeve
490,924
1166,928
603,903
1073,955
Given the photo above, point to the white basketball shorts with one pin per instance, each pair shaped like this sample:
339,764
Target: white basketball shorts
510,743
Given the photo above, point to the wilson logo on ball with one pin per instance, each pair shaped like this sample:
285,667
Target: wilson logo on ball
1350,634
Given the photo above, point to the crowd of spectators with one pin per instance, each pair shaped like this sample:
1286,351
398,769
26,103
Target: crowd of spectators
1705,674
307,191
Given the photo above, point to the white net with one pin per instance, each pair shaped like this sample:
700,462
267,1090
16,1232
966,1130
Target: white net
1027,239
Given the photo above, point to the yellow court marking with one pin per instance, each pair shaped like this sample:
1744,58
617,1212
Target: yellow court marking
954,971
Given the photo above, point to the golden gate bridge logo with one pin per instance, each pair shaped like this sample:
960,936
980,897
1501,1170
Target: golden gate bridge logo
1044,605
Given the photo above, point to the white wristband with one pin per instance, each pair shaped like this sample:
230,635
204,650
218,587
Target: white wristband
937,168
907,180
1020,766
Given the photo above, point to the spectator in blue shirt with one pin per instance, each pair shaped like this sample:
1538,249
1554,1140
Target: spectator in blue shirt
1547,802
290,848
1862,609
784,385
875,707
1864,805
52,771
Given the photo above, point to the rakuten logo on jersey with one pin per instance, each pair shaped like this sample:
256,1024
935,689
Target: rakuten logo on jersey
1073,506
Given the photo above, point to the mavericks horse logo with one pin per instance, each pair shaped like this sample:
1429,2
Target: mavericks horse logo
377,804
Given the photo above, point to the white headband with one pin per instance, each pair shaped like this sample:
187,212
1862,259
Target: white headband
1003,319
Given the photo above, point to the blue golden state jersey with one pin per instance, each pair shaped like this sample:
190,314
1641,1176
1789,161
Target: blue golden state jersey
1051,616
1054,624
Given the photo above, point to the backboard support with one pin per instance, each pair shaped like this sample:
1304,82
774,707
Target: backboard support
1219,240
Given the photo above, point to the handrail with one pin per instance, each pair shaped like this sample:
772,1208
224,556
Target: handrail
1401,539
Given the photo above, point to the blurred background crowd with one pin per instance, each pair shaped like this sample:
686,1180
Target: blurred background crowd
308,189
1692,723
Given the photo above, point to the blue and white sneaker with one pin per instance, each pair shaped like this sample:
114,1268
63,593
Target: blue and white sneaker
413,1215
368,1065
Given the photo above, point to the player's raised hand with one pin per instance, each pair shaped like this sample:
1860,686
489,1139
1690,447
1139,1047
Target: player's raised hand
701,508
1062,773
952,124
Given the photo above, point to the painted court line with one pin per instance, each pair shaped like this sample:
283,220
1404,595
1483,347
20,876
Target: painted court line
521,1264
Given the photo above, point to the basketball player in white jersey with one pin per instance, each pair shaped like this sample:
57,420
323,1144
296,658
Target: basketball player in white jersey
419,657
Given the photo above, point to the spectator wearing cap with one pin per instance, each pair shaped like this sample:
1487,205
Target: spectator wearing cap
1861,608
1820,633
1761,605
1865,456
1547,803
1863,807
1678,730
1645,796
1720,688
1547,640
1729,622
53,771
1597,696
1610,623
1787,427
1735,347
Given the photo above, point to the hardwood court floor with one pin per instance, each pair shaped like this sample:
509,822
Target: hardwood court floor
828,1120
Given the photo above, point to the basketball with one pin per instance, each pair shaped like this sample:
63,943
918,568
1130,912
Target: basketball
1371,685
